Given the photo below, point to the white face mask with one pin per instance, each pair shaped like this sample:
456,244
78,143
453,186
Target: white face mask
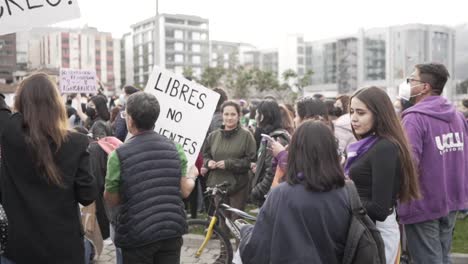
404,91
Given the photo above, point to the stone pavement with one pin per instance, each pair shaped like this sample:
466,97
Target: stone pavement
187,252
108,254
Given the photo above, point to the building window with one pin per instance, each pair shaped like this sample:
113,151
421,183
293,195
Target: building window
178,34
147,36
169,33
140,60
137,39
196,36
196,59
204,36
196,47
300,50
150,47
179,58
179,46
215,56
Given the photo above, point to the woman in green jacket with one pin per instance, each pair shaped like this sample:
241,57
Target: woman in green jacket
228,154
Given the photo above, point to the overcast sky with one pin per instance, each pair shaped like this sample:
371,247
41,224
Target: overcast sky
264,22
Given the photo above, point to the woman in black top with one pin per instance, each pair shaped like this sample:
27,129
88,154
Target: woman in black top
44,175
380,162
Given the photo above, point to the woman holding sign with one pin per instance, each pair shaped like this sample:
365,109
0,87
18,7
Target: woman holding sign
44,175
228,153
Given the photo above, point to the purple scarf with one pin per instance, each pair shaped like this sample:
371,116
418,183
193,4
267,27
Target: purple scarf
357,149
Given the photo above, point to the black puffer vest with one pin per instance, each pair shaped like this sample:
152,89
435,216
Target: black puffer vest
151,207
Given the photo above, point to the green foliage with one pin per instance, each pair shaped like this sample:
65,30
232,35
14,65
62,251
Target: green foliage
240,80
211,76
188,73
460,237
265,80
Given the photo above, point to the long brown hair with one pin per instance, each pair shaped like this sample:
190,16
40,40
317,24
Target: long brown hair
286,119
45,122
387,125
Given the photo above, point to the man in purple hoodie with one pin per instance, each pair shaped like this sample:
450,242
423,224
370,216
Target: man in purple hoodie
437,133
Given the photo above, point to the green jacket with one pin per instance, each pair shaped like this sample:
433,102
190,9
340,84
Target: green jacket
237,149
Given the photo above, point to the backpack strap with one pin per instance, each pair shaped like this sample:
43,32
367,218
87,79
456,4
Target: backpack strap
355,200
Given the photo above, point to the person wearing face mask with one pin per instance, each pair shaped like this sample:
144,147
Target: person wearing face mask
96,111
120,127
438,136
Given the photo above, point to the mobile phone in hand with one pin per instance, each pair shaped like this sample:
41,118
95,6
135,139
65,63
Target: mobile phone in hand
267,137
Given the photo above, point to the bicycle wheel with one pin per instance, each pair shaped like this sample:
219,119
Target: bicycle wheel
218,250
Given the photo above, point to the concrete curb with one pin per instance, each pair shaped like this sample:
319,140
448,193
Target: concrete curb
458,258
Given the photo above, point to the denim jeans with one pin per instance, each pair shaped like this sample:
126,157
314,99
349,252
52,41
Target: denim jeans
88,251
430,242
118,251
4,260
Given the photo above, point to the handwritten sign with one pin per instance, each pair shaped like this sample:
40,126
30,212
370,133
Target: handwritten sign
186,110
78,81
21,15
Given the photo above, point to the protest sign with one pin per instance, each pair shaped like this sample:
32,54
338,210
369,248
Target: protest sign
78,81
20,15
186,110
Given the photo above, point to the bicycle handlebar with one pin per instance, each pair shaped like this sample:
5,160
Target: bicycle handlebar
222,188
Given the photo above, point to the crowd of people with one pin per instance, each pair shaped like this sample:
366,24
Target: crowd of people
76,170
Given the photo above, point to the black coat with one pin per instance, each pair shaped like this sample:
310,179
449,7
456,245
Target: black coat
296,225
98,165
44,219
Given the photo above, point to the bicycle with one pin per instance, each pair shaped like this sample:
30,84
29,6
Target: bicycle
216,246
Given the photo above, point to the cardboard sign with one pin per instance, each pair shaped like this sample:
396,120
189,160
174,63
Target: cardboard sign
78,81
21,15
186,110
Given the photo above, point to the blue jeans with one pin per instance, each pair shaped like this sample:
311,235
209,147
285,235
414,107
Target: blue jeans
4,260
430,242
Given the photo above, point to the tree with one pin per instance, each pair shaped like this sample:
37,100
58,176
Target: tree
211,76
264,80
188,74
240,80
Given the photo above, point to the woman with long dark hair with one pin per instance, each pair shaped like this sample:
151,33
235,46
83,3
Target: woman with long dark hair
307,108
306,219
96,110
44,175
380,163
268,123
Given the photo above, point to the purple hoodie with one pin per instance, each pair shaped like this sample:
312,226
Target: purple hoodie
437,133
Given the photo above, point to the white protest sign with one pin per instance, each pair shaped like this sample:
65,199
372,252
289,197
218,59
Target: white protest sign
186,110
21,15
78,81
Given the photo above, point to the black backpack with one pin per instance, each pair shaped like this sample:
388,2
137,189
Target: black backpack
363,243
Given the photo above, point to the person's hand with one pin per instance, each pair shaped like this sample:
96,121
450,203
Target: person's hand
203,171
253,167
211,164
276,147
221,165
193,172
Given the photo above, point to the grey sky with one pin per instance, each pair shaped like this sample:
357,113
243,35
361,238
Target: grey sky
264,22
